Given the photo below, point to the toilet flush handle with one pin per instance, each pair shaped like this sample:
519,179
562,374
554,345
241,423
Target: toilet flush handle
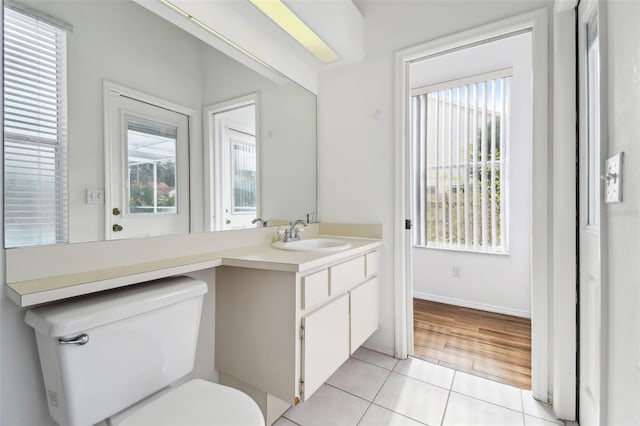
81,339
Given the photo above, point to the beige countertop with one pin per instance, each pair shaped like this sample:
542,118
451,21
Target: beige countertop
44,290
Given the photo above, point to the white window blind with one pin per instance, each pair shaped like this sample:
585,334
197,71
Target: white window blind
460,143
35,130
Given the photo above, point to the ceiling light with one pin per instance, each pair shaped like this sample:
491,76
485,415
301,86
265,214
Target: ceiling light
288,21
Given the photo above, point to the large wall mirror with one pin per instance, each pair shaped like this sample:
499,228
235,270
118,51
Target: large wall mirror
128,118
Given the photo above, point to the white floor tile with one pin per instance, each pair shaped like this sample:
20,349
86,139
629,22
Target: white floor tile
425,371
359,378
284,422
378,416
375,358
537,409
420,401
328,406
537,421
463,410
487,390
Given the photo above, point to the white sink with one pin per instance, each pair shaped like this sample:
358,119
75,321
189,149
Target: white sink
313,244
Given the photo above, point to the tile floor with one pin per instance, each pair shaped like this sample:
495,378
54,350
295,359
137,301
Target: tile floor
374,389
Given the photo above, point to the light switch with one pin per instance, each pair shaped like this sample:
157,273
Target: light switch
95,196
613,179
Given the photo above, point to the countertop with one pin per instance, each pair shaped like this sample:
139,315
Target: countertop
34,292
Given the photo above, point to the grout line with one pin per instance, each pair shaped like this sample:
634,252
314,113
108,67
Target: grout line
488,402
371,363
446,405
399,414
346,391
423,381
374,396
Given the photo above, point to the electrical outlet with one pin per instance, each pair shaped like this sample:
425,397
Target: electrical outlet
95,196
456,271
312,217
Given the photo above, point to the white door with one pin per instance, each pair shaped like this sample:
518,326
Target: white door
239,190
147,172
591,221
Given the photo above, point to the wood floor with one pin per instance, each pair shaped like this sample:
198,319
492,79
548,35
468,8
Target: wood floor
494,346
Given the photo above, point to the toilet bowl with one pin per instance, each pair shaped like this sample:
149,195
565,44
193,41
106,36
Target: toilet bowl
195,403
114,356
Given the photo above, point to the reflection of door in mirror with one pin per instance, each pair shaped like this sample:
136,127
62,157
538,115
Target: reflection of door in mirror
239,179
147,169
235,196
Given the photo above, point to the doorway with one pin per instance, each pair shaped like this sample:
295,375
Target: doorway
471,179
535,24
234,156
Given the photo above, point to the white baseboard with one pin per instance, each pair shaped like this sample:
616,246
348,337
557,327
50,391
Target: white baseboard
472,304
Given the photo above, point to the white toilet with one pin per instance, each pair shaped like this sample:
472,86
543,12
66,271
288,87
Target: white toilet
103,354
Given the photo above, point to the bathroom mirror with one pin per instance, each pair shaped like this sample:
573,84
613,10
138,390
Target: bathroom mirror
122,44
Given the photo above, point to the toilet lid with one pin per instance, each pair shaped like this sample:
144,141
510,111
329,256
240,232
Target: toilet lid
198,403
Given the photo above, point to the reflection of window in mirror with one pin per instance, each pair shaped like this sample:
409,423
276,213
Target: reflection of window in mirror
35,128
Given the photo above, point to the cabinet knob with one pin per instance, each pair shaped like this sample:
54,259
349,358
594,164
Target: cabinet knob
117,228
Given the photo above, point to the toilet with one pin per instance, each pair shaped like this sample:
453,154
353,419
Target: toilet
115,356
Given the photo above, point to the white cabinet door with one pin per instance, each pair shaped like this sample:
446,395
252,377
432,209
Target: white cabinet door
364,312
325,345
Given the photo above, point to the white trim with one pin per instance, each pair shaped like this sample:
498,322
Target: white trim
472,304
209,138
564,346
536,21
108,88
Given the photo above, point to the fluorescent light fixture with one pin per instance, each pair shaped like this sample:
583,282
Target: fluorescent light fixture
288,21
218,35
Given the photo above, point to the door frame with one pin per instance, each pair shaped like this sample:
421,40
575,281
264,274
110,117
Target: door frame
111,88
536,22
211,154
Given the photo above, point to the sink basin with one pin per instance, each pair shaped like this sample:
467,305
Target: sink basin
313,244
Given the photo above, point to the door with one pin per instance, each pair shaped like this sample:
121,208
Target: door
239,191
147,170
233,154
591,221
325,343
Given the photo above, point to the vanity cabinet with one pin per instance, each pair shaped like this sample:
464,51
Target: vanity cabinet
284,333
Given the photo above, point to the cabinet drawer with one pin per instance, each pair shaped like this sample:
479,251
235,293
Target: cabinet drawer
373,263
346,275
315,289
364,312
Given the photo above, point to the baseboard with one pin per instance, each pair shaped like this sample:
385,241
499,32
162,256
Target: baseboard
472,304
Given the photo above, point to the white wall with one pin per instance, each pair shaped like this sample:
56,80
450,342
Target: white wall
622,383
355,119
497,283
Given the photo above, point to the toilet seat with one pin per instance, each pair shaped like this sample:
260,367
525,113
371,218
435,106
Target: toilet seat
198,403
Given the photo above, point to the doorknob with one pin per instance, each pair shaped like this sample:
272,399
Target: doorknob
116,211
116,228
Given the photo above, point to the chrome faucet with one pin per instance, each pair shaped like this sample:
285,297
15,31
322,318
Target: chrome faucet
291,234
260,221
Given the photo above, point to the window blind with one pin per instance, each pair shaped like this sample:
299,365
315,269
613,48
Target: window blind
460,144
35,130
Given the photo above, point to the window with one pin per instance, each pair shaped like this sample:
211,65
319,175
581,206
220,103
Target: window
243,165
593,123
460,143
35,193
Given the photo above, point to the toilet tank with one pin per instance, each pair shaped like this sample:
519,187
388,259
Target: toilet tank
140,339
